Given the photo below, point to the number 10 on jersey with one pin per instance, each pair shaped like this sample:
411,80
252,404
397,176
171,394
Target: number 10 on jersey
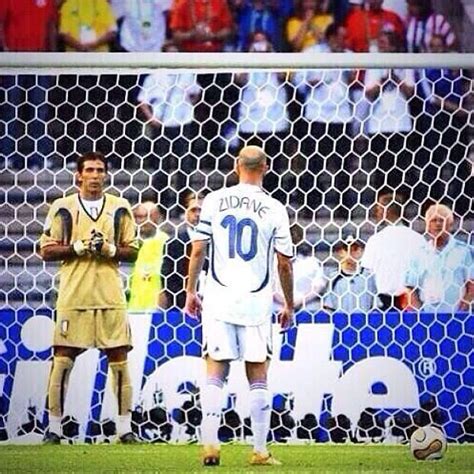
236,237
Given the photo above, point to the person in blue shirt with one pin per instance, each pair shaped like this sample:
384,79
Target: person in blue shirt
257,15
350,290
441,279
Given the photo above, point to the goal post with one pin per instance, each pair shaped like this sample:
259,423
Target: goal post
337,129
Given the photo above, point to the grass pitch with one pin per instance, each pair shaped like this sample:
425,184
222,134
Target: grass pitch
165,458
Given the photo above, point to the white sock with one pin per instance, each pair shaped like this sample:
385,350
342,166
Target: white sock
124,424
260,413
55,425
211,402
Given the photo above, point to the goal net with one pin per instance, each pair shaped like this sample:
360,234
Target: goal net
338,130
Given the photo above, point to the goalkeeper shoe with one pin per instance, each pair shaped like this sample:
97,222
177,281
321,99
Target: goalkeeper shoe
128,438
51,438
260,459
211,455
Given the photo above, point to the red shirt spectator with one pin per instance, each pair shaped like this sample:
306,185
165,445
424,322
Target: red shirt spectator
28,25
200,25
364,26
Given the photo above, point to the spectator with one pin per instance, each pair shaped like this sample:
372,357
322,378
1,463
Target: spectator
200,25
166,102
307,27
142,24
442,278
390,122
18,30
324,134
262,113
388,252
88,25
445,126
365,25
146,285
26,25
257,15
423,22
308,276
178,250
350,289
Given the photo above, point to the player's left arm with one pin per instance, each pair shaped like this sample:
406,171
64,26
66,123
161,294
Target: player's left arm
125,248
128,245
285,272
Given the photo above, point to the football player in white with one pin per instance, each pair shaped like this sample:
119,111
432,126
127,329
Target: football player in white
244,228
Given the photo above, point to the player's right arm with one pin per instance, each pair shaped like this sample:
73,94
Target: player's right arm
196,262
56,252
200,241
54,242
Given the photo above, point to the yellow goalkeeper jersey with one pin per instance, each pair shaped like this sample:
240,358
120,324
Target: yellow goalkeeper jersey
89,282
146,281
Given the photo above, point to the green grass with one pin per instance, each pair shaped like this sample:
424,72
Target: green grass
321,458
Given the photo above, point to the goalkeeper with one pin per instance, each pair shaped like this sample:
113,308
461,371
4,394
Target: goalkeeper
90,232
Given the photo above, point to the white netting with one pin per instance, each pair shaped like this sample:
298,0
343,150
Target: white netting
335,138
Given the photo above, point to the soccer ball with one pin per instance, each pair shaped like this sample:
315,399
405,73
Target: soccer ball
428,443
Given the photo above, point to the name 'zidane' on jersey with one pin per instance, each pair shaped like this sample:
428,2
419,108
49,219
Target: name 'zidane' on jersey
245,227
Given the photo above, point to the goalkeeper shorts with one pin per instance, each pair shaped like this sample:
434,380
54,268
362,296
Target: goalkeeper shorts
92,328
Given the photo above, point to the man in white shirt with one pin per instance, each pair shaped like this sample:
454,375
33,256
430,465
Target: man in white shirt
245,228
388,252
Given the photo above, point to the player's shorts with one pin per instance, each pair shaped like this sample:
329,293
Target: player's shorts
227,341
93,328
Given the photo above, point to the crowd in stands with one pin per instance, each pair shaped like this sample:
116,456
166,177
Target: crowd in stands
215,25
307,121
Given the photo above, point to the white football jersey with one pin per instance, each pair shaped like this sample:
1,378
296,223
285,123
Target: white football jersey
245,226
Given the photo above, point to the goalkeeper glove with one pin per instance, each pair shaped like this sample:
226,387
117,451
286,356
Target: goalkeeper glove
79,248
99,246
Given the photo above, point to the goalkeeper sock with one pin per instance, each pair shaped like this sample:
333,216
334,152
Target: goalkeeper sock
123,391
55,425
260,413
58,382
211,401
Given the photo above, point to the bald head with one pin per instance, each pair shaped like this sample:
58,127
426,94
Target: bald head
147,216
252,158
251,164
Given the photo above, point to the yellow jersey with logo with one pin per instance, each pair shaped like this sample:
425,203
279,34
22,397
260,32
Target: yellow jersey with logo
89,281
146,280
